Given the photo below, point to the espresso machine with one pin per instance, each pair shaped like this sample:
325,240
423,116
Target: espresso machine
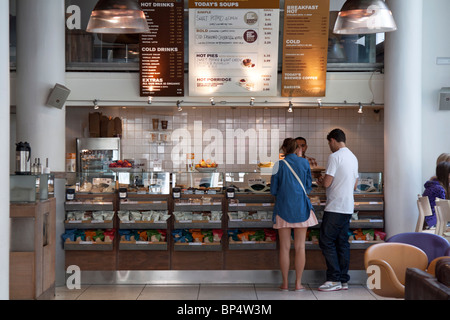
23,158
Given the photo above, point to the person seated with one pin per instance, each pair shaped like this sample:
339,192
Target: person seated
437,187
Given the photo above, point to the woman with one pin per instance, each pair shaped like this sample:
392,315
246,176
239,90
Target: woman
292,210
437,187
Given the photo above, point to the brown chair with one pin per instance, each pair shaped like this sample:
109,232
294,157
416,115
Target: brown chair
442,210
423,204
392,260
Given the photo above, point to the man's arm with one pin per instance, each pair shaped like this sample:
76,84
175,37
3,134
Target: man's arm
325,181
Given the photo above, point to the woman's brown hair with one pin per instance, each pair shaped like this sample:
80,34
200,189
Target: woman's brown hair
289,146
442,175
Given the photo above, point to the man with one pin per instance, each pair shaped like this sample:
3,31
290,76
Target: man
301,142
340,181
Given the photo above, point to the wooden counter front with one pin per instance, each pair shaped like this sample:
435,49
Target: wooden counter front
33,247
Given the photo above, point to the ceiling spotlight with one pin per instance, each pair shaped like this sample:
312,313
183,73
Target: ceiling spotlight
290,106
117,16
360,108
319,102
364,17
179,105
96,104
213,103
252,101
150,99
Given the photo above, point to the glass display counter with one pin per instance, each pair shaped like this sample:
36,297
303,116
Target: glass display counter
198,182
248,182
30,188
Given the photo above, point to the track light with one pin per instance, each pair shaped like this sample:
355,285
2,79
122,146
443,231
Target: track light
319,103
290,106
213,103
150,99
96,104
252,101
360,110
179,105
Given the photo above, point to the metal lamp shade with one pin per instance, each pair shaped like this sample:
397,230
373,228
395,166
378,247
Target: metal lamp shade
363,17
117,16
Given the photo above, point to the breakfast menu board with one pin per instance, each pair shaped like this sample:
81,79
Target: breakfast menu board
233,47
161,50
305,48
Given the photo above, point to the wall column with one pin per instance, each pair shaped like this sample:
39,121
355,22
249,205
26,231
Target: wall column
403,110
4,146
40,65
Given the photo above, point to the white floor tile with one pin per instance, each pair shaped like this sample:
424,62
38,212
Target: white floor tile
227,292
170,292
271,292
354,292
112,292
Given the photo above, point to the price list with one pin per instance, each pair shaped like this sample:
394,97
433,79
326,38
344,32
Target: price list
233,47
305,48
162,49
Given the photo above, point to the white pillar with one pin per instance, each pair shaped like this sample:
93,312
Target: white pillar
403,109
4,146
40,65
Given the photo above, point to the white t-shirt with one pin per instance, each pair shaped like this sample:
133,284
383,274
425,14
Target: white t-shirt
343,166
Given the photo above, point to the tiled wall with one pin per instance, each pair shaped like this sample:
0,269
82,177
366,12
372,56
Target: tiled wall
364,134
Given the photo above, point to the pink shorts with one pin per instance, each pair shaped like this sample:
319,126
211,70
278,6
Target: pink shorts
280,223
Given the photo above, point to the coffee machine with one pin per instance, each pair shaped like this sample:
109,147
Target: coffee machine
23,158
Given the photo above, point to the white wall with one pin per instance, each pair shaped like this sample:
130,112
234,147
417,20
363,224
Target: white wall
435,122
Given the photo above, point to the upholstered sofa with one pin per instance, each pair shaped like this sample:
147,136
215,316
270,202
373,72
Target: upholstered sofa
420,285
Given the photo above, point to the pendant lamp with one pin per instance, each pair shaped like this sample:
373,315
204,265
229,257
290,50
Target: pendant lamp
363,17
117,16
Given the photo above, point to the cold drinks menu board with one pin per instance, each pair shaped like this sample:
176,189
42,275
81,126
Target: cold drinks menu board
305,48
162,49
233,47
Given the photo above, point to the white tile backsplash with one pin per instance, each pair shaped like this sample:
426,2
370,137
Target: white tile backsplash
211,130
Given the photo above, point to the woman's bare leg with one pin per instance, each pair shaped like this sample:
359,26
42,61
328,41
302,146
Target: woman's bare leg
284,235
300,257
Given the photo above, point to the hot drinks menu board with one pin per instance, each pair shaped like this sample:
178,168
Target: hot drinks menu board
162,49
233,47
305,48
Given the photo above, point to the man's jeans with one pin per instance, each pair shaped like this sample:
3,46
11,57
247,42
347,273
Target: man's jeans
335,247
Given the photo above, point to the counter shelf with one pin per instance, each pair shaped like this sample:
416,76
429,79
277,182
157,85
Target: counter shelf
252,245
199,181
142,245
88,224
88,246
197,224
197,246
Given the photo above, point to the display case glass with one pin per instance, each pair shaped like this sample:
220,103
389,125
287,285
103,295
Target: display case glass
134,182
29,188
199,182
248,182
369,182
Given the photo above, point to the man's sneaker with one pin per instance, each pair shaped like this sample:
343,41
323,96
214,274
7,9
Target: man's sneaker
344,286
330,286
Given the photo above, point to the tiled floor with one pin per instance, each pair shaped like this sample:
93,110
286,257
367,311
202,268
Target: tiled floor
209,292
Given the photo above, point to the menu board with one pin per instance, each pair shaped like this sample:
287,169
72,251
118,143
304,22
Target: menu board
305,48
233,47
161,53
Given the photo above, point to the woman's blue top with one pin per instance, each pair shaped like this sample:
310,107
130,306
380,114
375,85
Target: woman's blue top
291,204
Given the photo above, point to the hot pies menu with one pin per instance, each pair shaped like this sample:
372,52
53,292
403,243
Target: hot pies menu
162,49
305,48
233,47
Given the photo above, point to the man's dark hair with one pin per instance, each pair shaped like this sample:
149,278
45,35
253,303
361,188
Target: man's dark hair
336,134
300,138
